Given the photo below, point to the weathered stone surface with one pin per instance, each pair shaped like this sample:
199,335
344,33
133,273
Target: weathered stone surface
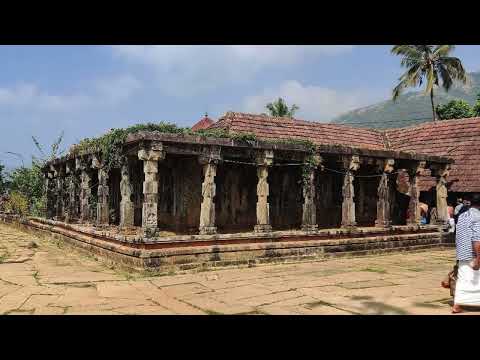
384,194
150,159
350,165
70,283
126,204
413,207
207,210
264,160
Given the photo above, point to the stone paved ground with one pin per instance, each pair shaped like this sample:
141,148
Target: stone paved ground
40,276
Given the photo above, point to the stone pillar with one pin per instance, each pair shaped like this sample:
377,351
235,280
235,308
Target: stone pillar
60,174
103,192
413,206
309,214
85,190
209,162
70,212
441,189
350,164
383,192
50,194
150,187
126,204
264,160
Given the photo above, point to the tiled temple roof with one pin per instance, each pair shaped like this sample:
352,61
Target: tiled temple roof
203,123
458,139
268,127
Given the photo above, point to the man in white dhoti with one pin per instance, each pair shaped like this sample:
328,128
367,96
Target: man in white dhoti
467,291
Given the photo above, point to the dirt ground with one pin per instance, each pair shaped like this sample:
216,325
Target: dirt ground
41,276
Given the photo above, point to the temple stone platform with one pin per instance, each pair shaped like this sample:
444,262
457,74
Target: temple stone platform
172,253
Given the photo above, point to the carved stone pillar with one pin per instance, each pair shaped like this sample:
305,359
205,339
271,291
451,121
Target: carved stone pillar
70,212
50,194
60,175
126,204
85,190
264,160
209,162
442,173
103,192
383,192
150,187
309,215
413,206
350,164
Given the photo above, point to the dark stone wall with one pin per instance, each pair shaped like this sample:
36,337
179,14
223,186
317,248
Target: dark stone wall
236,197
137,178
114,196
286,198
329,199
366,200
179,194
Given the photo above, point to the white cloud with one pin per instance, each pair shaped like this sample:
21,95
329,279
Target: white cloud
190,69
316,103
102,92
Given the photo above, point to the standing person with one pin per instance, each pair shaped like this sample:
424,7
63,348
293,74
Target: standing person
467,291
458,206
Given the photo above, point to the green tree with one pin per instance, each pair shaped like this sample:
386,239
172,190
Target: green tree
280,108
455,109
428,63
476,107
29,182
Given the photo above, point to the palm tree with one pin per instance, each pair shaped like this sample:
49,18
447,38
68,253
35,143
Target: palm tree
428,63
279,108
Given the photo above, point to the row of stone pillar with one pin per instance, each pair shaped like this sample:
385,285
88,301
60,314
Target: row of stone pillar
209,161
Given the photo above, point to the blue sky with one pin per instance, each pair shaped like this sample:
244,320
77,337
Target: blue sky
86,90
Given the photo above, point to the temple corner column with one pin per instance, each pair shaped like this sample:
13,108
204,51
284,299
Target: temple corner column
150,158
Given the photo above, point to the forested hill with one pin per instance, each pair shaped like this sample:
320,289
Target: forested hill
410,108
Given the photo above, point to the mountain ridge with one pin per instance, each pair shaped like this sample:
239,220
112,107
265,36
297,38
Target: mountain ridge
411,108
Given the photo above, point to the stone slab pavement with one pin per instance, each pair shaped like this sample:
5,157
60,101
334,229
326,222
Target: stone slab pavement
42,276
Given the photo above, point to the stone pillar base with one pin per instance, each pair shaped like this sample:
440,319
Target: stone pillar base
310,228
349,226
383,224
262,228
207,230
149,232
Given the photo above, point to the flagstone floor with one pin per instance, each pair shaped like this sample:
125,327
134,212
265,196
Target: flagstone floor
41,276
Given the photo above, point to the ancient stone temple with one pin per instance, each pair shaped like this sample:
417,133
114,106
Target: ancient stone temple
197,199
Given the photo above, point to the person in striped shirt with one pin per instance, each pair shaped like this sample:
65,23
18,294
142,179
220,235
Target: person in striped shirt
467,291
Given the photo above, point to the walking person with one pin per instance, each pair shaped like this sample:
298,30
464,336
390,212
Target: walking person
467,289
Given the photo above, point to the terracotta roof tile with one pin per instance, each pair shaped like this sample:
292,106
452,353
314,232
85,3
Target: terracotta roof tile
458,139
268,127
203,123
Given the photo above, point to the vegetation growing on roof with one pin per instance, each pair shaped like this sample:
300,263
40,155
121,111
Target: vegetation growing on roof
110,145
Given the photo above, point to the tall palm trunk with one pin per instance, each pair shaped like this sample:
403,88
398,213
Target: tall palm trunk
433,106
